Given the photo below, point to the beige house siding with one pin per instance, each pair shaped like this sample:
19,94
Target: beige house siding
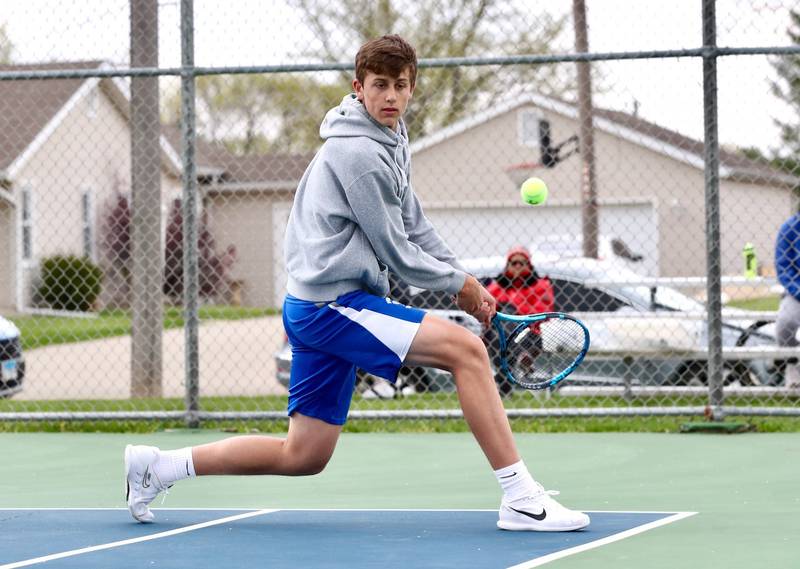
7,265
752,213
244,219
89,150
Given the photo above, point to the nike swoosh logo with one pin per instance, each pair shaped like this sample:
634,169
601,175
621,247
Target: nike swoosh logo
509,475
146,478
537,517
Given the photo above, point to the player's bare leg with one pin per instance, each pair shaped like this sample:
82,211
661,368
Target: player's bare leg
526,505
445,345
149,471
307,448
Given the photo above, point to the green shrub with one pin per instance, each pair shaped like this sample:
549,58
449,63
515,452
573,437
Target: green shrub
70,282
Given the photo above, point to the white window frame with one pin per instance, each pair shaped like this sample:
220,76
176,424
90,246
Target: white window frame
88,232
526,118
93,102
27,220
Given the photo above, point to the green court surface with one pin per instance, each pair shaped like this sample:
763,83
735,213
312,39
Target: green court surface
745,488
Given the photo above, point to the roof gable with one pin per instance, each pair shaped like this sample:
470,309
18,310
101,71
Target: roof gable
630,128
20,121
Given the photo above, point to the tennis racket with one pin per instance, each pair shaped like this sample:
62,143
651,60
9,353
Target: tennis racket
539,350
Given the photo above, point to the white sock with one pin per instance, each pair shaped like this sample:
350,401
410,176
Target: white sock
516,481
174,465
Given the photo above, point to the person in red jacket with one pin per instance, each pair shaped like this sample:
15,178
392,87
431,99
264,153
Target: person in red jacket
518,290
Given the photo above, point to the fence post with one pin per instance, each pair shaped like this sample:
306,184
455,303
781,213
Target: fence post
713,255
589,214
190,276
146,272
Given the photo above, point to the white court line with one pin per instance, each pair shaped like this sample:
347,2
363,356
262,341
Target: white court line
539,561
113,544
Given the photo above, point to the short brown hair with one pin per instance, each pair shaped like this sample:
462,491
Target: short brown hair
387,55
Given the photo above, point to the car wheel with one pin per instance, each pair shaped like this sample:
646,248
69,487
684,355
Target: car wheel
689,373
414,380
695,373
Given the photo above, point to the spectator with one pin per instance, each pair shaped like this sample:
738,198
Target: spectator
518,290
787,266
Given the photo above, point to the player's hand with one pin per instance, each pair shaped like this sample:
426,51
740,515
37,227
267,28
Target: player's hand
476,301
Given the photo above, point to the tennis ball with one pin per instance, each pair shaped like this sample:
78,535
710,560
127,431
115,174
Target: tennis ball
533,191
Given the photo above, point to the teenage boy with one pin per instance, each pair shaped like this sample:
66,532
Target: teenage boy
355,216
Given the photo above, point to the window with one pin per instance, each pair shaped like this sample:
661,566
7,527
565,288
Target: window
27,224
528,127
87,223
575,297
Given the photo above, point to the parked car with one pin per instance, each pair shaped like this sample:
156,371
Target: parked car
12,364
620,317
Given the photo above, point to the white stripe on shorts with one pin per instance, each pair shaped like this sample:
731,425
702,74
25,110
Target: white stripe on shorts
395,333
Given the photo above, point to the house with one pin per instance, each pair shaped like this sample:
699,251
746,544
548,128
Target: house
65,157
64,152
650,187
65,149
248,207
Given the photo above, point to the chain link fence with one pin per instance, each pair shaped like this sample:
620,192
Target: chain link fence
149,153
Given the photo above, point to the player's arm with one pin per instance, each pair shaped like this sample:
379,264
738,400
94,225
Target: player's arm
422,232
378,212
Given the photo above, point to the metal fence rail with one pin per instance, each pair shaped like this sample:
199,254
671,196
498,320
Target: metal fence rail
673,214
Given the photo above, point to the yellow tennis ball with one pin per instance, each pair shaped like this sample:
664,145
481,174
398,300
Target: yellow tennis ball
533,191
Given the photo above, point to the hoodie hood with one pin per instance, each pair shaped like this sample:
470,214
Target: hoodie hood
351,119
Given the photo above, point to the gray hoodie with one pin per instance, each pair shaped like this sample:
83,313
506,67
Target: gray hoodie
355,215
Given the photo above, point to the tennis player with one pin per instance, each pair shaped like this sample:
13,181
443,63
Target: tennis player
355,216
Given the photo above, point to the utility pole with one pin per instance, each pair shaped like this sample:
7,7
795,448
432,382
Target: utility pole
589,214
146,278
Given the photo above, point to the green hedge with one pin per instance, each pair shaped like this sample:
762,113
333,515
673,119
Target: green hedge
70,282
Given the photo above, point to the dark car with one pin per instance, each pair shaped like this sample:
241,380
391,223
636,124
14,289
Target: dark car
12,365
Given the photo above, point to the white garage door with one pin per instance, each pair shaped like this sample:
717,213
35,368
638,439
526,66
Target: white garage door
492,231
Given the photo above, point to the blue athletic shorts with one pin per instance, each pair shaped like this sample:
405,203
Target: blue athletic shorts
330,340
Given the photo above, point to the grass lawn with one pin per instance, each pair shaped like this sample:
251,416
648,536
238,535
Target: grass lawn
277,403
765,303
38,331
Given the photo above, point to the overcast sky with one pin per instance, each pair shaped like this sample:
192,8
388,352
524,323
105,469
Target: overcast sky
252,32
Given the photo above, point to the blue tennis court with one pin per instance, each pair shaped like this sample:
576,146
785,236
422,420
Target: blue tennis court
191,538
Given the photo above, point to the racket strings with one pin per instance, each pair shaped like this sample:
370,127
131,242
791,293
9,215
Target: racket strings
542,351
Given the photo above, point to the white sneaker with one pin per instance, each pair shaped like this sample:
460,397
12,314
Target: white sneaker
142,485
539,512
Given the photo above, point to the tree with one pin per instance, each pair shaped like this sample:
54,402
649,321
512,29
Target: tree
213,267
463,28
257,113
787,88
115,240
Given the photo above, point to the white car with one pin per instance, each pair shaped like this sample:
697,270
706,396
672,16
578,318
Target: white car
641,319
620,318
12,364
